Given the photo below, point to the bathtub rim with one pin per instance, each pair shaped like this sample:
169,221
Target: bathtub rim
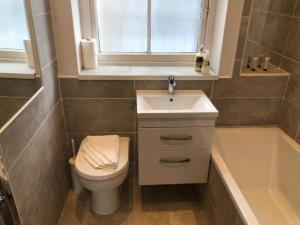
242,206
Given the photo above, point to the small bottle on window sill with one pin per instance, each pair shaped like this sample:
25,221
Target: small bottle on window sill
205,67
200,56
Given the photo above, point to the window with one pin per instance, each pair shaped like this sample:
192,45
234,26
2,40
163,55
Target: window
13,28
145,30
75,20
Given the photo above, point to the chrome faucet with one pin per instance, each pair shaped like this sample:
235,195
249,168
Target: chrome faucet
172,84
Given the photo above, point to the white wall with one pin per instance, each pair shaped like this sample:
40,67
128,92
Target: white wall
67,35
224,37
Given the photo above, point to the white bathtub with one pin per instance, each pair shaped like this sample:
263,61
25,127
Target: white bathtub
261,171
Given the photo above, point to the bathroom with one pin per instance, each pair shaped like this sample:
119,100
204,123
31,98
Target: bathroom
200,99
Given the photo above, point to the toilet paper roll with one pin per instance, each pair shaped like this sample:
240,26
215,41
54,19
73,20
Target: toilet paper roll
89,53
28,52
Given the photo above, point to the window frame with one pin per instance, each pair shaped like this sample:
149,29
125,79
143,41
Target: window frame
12,55
89,29
15,55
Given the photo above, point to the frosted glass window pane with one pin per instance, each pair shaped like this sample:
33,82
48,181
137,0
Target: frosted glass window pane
13,27
175,25
122,25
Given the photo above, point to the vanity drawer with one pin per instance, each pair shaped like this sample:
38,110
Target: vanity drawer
192,137
173,167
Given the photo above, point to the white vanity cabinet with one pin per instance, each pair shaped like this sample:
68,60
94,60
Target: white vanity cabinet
174,155
175,135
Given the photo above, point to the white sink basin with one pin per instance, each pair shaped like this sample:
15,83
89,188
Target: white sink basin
182,103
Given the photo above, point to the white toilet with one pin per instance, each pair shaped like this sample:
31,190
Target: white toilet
104,183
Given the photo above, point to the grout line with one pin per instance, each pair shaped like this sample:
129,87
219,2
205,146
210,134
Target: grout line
42,14
212,89
295,7
278,54
65,124
246,126
99,98
247,97
17,97
134,107
49,63
260,45
34,135
286,43
64,115
291,59
279,112
21,110
12,190
237,219
246,35
283,98
298,130
291,102
134,87
273,13
100,132
4,169
59,87
286,86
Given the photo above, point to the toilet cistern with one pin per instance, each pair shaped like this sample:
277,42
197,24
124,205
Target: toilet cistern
172,84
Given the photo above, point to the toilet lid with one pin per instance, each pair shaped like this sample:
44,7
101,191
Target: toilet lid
84,169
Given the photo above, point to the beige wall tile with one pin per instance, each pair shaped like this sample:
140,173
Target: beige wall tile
99,115
247,111
9,107
278,6
293,42
270,30
74,88
242,37
289,118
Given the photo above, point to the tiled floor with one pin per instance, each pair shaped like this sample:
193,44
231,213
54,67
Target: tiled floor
172,205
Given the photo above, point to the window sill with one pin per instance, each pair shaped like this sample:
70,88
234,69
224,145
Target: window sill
143,73
16,71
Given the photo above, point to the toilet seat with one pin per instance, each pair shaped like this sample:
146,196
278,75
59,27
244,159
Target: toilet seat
84,169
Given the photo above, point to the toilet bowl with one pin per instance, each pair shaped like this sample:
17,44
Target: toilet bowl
104,183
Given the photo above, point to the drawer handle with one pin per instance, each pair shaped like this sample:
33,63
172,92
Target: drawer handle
178,160
176,138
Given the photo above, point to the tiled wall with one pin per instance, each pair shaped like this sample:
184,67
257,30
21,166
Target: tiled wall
100,107
274,30
269,28
14,93
34,146
37,155
290,113
218,205
283,19
108,107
